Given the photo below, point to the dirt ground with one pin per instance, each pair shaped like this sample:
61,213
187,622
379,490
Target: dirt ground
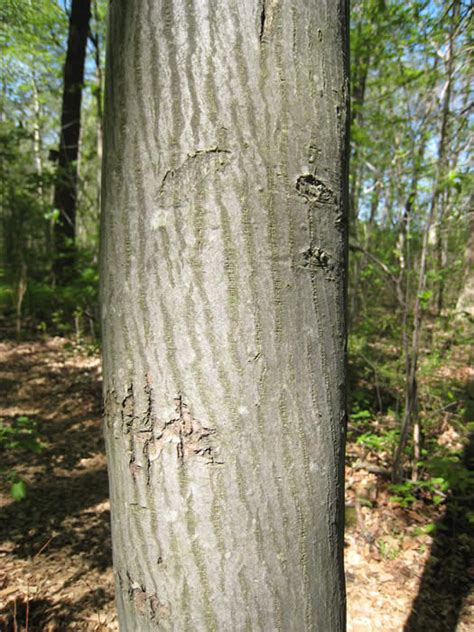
55,550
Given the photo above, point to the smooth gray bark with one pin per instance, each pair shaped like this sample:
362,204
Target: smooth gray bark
223,308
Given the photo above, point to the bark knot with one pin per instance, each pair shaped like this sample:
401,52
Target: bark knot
314,190
315,257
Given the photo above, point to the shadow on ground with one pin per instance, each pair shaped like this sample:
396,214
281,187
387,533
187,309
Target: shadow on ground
448,574
67,482
38,615
55,513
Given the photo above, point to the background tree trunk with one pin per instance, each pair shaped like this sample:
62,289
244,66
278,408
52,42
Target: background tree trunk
66,184
223,300
96,40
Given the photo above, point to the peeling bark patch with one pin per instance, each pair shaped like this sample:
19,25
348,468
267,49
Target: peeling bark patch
267,19
135,419
134,468
128,409
147,435
314,190
191,437
149,397
148,605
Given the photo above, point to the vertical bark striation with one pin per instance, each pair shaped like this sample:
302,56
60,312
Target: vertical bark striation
223,294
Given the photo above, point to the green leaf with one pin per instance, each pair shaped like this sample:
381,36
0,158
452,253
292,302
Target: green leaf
18,490
362,414
428,528
426,295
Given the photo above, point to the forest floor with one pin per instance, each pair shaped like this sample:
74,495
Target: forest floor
55,550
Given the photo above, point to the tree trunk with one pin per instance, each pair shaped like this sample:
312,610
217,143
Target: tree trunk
37,144
465,303
223,265
66,183
411,420
443,159
96,39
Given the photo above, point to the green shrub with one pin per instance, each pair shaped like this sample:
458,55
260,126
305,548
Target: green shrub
20,436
